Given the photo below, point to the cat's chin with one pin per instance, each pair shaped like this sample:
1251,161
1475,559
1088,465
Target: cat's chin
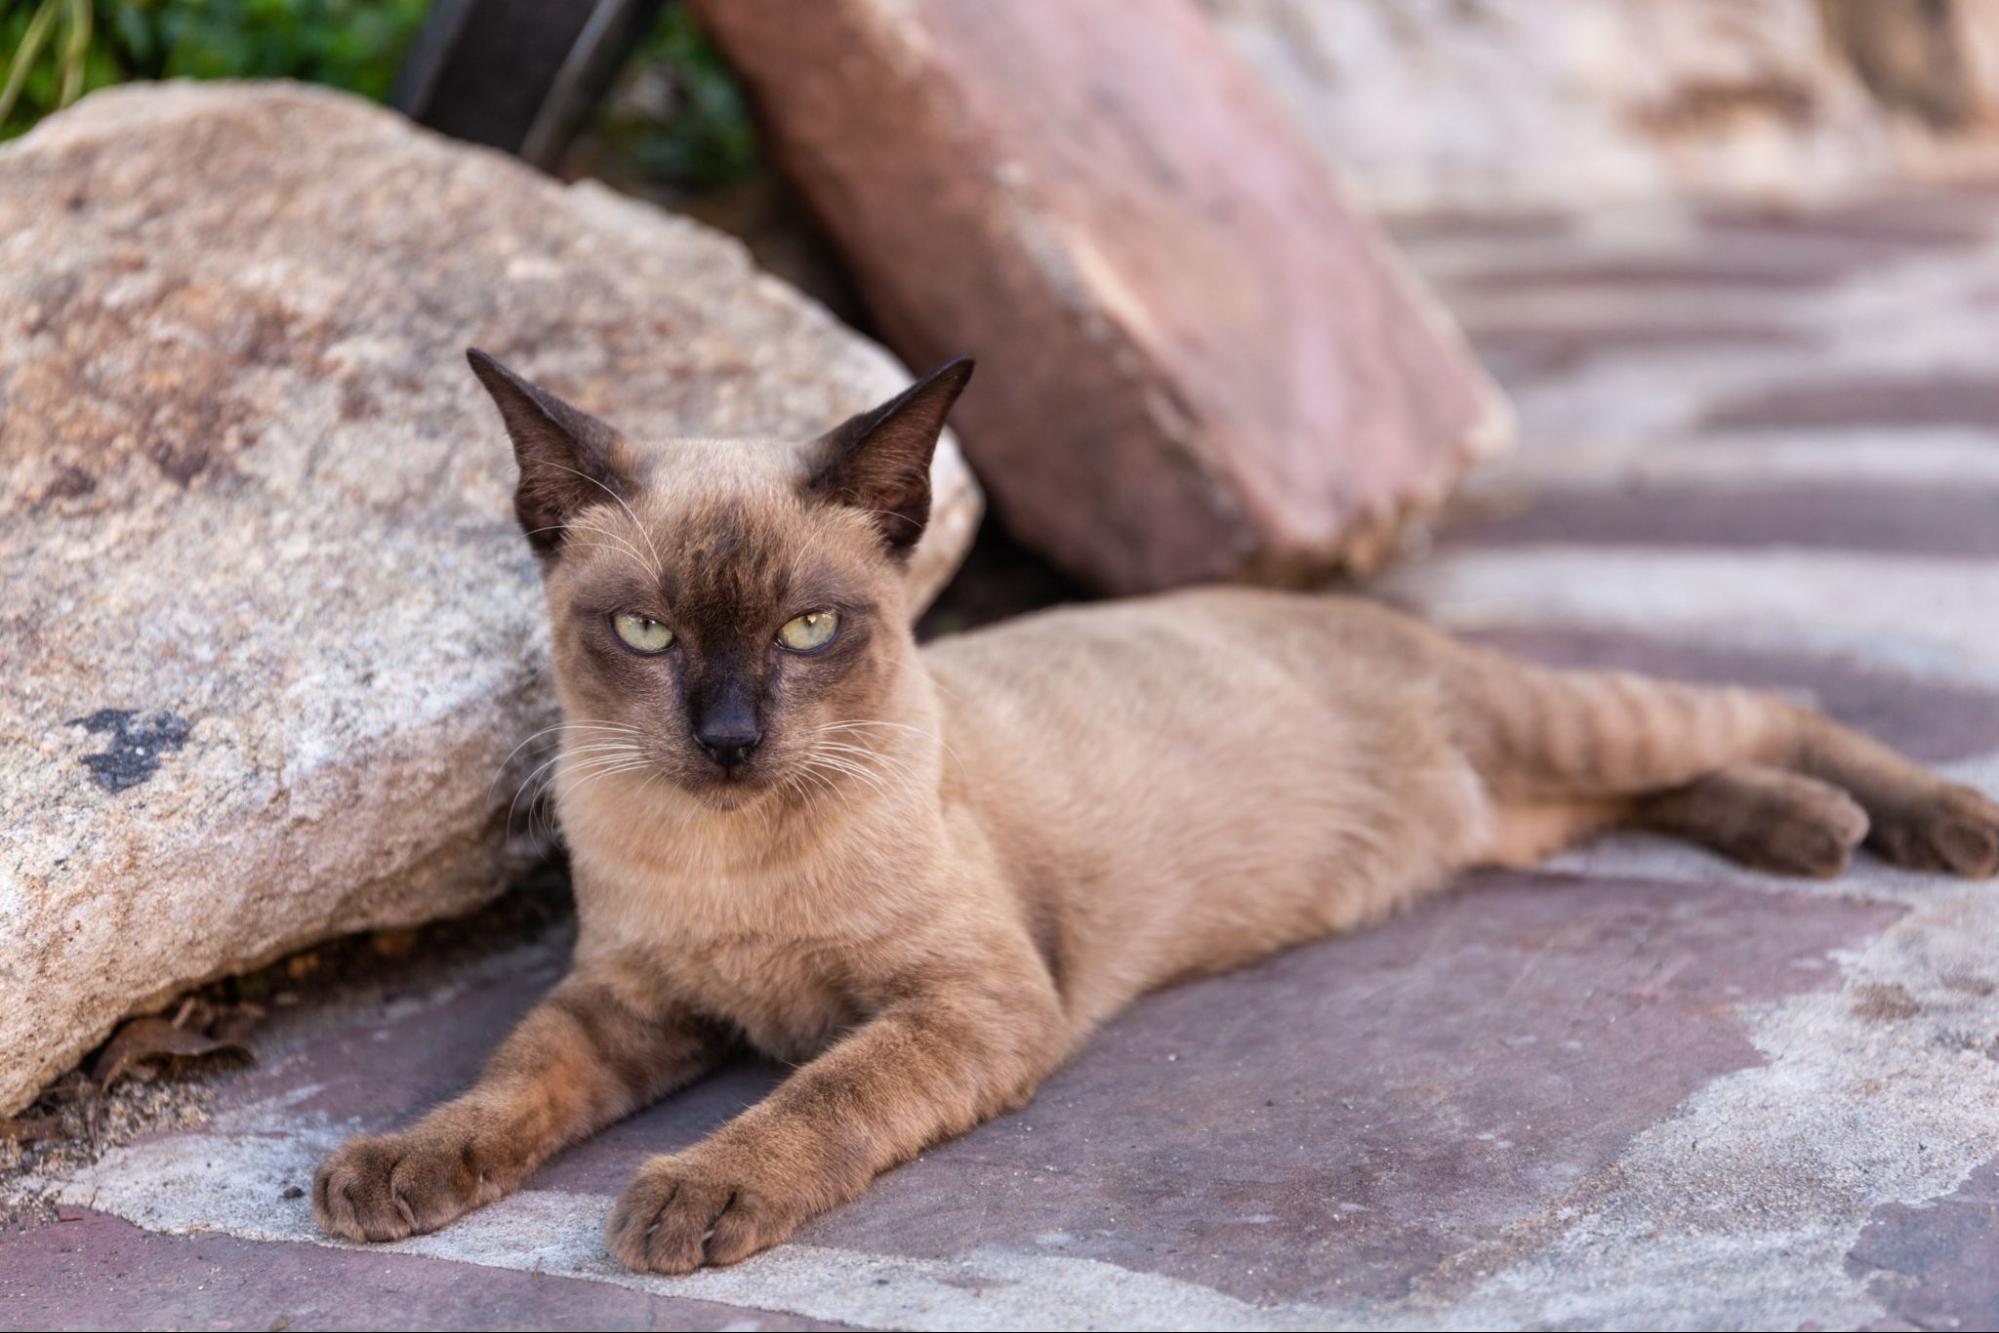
726,794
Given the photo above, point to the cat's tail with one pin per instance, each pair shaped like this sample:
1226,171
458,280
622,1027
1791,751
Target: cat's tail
1536,733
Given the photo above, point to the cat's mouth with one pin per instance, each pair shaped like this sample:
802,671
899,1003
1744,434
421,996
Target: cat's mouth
728,787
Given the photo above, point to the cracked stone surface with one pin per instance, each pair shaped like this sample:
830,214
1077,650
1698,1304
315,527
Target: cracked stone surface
268,631
1640,1088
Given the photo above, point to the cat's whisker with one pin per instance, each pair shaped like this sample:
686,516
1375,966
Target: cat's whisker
561,727
889,765
608,535
599,763
851,768
635,553
854,724
883,783
525,784
545,774
598,776
658,565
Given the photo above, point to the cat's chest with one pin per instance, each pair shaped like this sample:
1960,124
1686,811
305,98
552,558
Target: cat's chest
791,997
789,989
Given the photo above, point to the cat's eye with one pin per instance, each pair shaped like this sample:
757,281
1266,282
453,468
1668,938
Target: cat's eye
809,632
641,633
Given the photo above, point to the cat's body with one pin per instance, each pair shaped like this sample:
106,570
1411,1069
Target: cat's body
1230,800
927,876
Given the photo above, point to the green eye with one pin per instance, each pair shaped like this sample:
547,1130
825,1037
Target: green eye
647,636
813,630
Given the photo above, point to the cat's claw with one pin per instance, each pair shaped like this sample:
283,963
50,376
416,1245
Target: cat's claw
679,1214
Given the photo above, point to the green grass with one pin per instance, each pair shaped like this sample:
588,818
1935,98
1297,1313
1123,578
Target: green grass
703,136
57,50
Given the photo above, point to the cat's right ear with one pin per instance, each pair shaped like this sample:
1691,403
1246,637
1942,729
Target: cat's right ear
569,459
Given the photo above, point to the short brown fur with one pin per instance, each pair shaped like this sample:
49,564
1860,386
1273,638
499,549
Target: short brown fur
941,869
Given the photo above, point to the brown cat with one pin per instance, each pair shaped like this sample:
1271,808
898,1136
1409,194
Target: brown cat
926,876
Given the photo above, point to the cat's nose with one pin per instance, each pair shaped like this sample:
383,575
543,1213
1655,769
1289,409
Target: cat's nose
729,746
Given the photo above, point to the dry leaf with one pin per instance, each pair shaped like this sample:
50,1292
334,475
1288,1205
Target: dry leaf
155,1040
30,1128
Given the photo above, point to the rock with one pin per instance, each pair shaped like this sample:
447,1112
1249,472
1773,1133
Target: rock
1195,361
268,631
1561,104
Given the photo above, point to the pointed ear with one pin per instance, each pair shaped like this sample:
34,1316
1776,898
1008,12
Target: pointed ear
568,458
880,460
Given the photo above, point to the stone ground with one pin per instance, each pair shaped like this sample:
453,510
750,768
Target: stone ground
1639,1089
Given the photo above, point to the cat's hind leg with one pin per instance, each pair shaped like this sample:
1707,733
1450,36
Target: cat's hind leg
1526,833
1764,817
1545,739
1918,819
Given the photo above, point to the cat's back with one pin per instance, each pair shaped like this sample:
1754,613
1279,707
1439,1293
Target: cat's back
1225,639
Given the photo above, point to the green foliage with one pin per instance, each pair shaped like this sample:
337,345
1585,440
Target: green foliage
689,126
58,49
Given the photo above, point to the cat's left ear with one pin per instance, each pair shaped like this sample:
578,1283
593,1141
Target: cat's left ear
569,459
880,460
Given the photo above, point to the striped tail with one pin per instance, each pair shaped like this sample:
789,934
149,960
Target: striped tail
1534,733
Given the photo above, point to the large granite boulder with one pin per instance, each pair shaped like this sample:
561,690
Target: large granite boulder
1195,361
268,632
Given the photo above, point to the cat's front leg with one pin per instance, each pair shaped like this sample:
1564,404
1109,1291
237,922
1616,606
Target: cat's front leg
601,1045
926,1068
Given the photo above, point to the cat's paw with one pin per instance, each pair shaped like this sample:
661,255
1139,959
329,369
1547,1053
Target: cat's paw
1814,835
397,1185
683,1211
1955,831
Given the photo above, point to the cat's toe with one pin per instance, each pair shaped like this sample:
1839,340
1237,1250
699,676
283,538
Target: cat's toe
393,1186
676,1216
1955,832
352,1195
1817,841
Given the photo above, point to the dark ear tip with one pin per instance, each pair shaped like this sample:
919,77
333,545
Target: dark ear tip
492,373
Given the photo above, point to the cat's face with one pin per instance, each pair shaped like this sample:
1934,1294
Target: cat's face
728,617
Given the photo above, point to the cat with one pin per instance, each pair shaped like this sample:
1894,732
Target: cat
924,876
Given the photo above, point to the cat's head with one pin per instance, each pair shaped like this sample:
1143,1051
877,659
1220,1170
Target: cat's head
730,616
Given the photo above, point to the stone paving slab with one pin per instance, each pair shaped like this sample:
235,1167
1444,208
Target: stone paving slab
97,1272
1290,1142
1641,1088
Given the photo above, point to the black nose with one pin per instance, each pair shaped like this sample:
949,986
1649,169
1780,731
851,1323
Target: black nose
728,746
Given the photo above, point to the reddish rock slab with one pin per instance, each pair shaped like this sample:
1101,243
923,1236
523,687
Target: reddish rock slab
1350,1121
1382,1114
1456,225
1934,221
1517,352
1855,516
1853,400
1773,265
1931,1266
100,1272
1196,361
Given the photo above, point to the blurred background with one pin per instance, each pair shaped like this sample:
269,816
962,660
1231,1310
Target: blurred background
1447,120
1507,104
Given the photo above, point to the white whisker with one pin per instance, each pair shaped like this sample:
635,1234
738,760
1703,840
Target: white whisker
658,566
